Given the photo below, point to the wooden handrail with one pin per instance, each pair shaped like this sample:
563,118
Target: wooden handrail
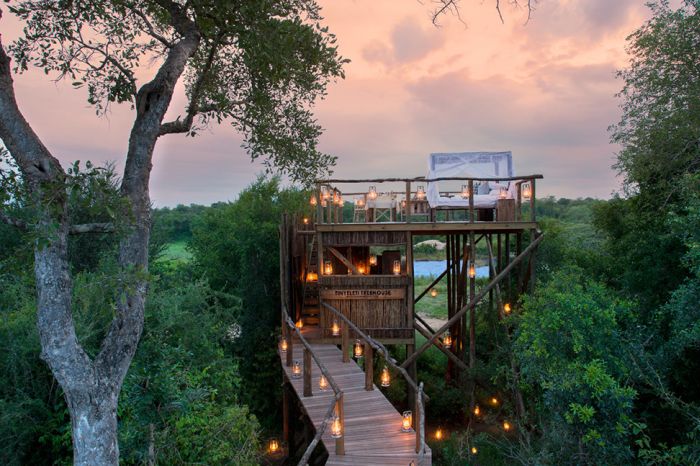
430,180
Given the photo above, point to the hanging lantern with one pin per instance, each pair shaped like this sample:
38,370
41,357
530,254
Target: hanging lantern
406,421
506,308
326,194
372,260
527,192
503,193
283,345
420,193
313,201
447,340
474,450
396,268
335,328
494,401
336,428
472,270
311,277
465,191
336,198
477,411
358,350
372,193
507,426
433,292
323,203
273,446
327,267
439,434
299,324
296,369
385,377
322,383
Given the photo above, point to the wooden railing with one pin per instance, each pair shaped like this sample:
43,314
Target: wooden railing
332,213
335,408
370,345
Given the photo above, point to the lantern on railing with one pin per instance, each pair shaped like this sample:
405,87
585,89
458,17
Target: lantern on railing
337,198
447,340
433,292
311,277
299,324
477,411
360,202
406,421
396,268
465,191
336,427
305,220
385,377
439,434
335,328
420,193
361,269
503,193
322,383
296,369
372,193
372,260
273,446
326,194
283,345
358,350
472,270
313,201
506,308
507,426
527,192
327,267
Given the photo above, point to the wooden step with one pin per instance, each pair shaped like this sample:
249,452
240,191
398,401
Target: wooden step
310,311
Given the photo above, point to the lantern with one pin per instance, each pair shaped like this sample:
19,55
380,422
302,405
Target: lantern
438,434
372,260
420,193
296,369
503,193
361,269
527,192
372,194
322,383
433,292
494,401
327,268
313,201
323,203
403,204
360,202
335,328
385,377
472,270
477,411
311,277
336,198
406,421
396,268
326,194
506,308
283,345
507,426
358,349
336,428
299,324
447,340
474,450
273,446
465,191
305,220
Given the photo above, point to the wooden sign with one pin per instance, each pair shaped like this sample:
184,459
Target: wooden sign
363,293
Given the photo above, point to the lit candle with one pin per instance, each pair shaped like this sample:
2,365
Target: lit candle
474,451
358,350
361,269
472,270
283,345
506,308
406,420
465,191
313,201
372,194
433,292
327,268
296,369
311,277
438,434
506,426
373,260
420,193
273,446
336,428
447,340
397,267
360,202
477,411
299,324
385,377
494,401
322,383
335,328
527,192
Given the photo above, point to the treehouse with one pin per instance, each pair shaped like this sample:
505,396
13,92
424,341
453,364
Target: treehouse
348,289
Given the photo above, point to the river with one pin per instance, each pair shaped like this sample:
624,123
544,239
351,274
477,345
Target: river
435,268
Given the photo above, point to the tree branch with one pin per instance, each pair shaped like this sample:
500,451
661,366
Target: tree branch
91,228
21,224
150,29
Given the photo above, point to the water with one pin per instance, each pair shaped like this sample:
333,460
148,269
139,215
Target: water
435,268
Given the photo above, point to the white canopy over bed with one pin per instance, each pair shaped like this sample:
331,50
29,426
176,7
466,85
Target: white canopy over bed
470,165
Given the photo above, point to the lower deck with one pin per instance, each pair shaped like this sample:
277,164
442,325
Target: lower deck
372,427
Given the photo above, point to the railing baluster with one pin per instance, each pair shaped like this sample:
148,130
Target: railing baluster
307,373
369,367
345,344
340,412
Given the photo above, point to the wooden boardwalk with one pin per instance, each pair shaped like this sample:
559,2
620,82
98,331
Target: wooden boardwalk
372,431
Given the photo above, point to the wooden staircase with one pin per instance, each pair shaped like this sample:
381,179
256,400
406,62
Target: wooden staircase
310,312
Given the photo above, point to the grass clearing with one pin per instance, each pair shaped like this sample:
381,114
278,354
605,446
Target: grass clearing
177,252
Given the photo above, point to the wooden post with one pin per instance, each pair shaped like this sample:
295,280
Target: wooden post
340,412
411,369
369,367
285,409
417,421
290,349
532,200
319,207
345,341
472,311
471,201
408,202
307,373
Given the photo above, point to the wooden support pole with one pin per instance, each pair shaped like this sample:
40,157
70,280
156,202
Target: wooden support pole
290,349
439,346
345,341
472,312
319,207
307,373
411,370
340,412
417,420
471,201
429,287
346,262
369,367
285,409
408,202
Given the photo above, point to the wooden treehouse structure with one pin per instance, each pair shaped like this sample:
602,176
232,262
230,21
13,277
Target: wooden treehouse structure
348,290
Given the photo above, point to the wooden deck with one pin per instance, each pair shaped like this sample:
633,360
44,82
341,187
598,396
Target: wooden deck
372,425
425,228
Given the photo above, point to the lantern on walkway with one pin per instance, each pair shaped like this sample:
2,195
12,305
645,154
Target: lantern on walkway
494,401
296,369
372,260
358,350
336,427
472,270
438,434
396,268
299,324
335,328
406,421
385,377
474,450
465,191
434,292
447,340
477,411
507,426
506,308
420,193
273,446
322,383
327,267
283,345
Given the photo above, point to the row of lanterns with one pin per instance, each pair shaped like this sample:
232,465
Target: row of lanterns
328,268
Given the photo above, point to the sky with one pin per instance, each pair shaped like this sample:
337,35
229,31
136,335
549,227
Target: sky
543,89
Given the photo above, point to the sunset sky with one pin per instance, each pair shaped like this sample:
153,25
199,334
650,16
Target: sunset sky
544,90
